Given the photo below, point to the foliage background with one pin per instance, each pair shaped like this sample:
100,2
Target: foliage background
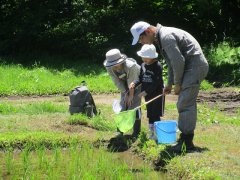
82,29
89,28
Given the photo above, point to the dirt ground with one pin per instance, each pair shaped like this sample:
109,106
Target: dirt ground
226,100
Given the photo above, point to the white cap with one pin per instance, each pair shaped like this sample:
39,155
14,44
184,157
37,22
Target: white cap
137,29
148,51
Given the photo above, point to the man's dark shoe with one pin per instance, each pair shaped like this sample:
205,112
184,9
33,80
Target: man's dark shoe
184,145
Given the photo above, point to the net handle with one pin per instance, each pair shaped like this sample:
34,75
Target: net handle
149,101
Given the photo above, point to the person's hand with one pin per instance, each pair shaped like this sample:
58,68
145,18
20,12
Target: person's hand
132,85
167,89
142,94
129,100
177,89
126,98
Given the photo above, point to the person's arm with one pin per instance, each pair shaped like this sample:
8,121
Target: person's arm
177,60
136,81
157,80
133,76
118,82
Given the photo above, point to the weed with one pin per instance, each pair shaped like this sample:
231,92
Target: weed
9,160
207,115
98,122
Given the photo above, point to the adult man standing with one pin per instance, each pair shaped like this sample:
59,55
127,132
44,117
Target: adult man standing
187,67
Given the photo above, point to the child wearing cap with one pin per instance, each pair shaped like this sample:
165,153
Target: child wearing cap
123,71
152,84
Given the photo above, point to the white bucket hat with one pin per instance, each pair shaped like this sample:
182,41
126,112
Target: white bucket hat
114,57
148,51
137,29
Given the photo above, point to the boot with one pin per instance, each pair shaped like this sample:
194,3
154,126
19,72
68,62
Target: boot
185,144
136,128
152,134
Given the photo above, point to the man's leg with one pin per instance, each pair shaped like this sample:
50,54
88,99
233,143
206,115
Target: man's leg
187,109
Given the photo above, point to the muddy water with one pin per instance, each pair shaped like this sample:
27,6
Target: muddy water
137,166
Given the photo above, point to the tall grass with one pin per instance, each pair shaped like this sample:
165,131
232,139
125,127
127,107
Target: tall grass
19,80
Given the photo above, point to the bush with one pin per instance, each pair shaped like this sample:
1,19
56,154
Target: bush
224,62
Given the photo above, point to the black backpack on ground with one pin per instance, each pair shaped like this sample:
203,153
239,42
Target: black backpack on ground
81,101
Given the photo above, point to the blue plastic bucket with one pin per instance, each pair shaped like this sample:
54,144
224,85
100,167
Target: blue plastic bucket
166,131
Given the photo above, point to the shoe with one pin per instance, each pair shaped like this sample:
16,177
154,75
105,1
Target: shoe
184,145
152,134
153,137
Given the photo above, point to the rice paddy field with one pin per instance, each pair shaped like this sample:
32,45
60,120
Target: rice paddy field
39,139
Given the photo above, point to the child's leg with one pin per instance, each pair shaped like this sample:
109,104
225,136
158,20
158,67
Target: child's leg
152,134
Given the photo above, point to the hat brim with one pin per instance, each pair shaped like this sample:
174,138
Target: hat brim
135,40
108,64
139,53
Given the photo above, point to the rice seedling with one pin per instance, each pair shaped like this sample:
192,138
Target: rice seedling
9,160
78,162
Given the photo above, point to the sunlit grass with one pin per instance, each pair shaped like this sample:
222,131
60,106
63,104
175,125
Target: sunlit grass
208,115
97,122
18,80
32,108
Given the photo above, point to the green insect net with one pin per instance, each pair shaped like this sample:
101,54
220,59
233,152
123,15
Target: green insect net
125,120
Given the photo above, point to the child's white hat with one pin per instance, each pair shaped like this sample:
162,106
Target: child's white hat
148,51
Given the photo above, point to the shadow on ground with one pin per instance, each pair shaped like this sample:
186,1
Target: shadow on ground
120,143
167,154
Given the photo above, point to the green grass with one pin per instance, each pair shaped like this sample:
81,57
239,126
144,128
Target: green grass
35,139
216,133
35,111
98,122
205,85
32,108
191,169
39,80
19,80
76,162
208,115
